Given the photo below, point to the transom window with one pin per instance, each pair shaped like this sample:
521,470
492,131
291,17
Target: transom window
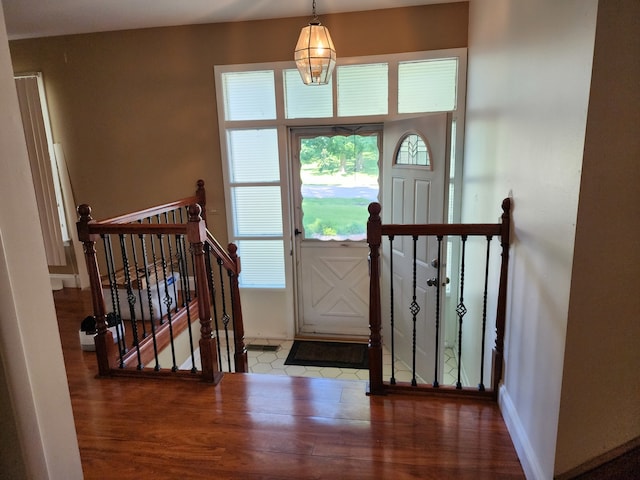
259,103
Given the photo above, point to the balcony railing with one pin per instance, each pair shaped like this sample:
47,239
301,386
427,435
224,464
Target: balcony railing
413,320
163,292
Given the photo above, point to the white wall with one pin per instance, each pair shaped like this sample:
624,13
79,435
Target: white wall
29,338
600,402
528,89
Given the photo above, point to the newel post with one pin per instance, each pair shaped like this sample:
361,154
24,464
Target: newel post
106,352
197,234
374,239
240,351
501,308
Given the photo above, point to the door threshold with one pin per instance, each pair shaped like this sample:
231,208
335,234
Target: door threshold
332,338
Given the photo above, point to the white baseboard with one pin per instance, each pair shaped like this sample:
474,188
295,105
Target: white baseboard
527,456
63,280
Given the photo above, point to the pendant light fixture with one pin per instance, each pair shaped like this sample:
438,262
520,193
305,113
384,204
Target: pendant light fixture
315,54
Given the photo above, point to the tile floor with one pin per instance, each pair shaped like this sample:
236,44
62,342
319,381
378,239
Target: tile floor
272,363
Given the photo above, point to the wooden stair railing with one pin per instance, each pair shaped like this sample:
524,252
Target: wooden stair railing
159,286
376,231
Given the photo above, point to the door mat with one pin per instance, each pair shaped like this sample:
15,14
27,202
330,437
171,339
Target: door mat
328,354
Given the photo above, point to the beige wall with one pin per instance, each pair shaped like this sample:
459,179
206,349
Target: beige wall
135,110
528,91
600,403
31,355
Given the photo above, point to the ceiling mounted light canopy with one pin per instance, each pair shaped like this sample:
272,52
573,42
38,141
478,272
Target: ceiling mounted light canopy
315,54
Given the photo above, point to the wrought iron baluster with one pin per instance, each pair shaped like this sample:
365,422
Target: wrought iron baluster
147,279
154,258
461,310
392,380
131,299
438,289
138,284
225,315
186,294
212,296
415,309
167,300
484,313
171,266
115,297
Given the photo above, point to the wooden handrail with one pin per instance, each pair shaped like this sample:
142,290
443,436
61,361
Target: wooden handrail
99,228
437,229
221,253
199,198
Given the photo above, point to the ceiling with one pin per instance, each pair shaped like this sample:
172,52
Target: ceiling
42,18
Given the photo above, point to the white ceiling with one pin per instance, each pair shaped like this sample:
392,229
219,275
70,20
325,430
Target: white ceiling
42,18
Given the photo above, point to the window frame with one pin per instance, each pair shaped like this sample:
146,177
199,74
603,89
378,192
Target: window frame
283,126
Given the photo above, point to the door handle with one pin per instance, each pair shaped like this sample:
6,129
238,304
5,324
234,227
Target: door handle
297,232
432,282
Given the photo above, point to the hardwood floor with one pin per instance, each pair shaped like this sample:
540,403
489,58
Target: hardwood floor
254,426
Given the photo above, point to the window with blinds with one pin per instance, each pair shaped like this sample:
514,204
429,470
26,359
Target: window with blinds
427,85
363,90
256,205
258,103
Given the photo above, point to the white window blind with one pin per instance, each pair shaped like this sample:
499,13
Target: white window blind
253,155
257,211
363,89
427,85
262,263
302,101
256,205
43,170
249,95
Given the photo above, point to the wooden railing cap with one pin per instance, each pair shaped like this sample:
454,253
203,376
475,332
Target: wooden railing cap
84,212
195,211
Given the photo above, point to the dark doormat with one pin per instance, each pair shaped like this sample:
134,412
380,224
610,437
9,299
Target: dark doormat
328,354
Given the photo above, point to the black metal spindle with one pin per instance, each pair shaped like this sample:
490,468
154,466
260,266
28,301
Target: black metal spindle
186,294
156,278
461,310
415,309
167,300
391,313
113,282
115,297
147,278
438,288
225,315
172,267
212,296
484,314
131,299
138,284
108,253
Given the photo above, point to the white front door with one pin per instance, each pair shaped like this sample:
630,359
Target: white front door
416,153
335,172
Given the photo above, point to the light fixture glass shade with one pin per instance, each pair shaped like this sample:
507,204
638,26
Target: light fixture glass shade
315,54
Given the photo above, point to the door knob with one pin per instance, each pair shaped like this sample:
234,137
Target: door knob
432,282
434,263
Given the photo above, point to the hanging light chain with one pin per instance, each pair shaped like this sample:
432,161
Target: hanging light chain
315,17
